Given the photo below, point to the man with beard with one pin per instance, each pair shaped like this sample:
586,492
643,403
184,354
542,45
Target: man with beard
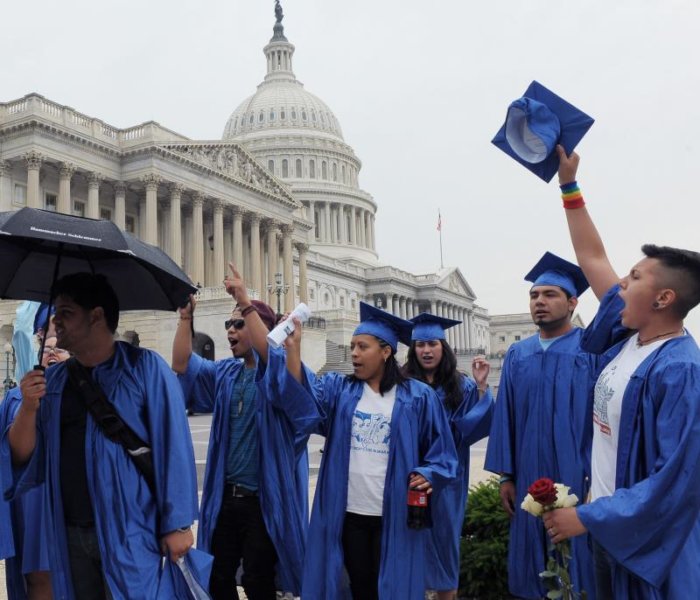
255,498
541,424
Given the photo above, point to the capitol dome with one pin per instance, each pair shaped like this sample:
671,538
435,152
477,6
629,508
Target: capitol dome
296,136
281,105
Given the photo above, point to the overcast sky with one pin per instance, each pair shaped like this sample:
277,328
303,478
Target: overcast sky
419,88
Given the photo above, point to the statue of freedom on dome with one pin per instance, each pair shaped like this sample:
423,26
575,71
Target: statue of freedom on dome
279,15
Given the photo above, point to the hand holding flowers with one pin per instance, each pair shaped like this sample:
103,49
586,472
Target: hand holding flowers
555,505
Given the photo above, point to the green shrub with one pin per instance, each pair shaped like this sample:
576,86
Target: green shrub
484,545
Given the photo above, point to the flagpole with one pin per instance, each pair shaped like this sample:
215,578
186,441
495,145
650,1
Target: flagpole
442,266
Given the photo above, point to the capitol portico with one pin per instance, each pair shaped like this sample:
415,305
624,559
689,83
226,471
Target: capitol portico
279,194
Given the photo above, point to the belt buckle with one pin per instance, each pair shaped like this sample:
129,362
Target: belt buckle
237,491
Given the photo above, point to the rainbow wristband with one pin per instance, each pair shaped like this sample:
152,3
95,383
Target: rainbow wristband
571,196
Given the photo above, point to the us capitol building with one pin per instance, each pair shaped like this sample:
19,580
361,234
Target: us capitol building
278,195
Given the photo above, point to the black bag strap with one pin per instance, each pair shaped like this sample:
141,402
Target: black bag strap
110,423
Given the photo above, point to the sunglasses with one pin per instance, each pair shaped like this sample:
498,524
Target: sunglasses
237,324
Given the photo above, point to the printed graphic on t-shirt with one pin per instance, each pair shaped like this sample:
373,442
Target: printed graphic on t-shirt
602,394
370,432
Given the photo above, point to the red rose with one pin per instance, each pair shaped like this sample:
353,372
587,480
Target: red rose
543,491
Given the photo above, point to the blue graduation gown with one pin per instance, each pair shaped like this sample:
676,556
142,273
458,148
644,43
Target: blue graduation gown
470,422
129,521
542,427
26,520
651,524
420,442
284,426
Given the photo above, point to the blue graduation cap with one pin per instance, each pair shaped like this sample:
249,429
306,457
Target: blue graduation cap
430,327
552,270
383,325
42,316
535,124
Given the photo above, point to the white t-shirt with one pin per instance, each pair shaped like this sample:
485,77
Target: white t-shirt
607,407
369,451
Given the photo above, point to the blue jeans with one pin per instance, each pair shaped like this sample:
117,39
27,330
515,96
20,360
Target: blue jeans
86,564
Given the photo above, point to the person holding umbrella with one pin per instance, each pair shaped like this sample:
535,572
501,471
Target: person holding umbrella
111,519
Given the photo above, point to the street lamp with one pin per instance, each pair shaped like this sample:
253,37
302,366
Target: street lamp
278,288
8,352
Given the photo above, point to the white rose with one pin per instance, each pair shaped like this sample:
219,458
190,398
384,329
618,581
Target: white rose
564,499
529,505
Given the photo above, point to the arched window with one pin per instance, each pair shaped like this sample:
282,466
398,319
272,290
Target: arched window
261,117
294,113
323,119
312,169
313,115
342,170
285,168
271,166
324,170
252,118
298,168
303,115
283,114
272,114
335,172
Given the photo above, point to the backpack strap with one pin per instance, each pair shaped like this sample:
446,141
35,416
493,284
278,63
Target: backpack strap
110,423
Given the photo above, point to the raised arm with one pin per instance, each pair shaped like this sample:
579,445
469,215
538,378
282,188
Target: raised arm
292,346
588,246
182,343
256,328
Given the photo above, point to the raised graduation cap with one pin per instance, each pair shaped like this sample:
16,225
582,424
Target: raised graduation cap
552,270
535,124
383,325
430,327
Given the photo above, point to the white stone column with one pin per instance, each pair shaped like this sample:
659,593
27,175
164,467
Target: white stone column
458,329
288,264
311,216
238,238
470,333
327,221
353,226
33,160
395,305
433,308
373,241
198,239
271,231
218,223
175,246
65,174
255,256
342,222
5,185
93,203
402,307
409,309
303,273
365,223
151,182
119,204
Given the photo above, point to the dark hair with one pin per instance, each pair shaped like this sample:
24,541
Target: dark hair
682,268
446,375
90,291
392,371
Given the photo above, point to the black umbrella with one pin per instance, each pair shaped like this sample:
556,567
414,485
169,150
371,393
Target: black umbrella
38,247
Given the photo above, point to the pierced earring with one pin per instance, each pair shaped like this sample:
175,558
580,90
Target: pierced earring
655,305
